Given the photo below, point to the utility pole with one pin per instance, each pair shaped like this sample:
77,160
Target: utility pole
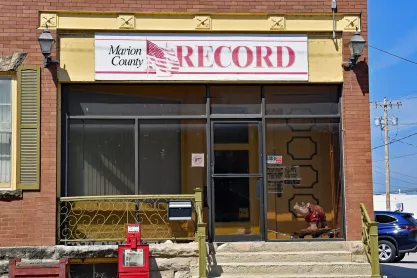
384,126
386,143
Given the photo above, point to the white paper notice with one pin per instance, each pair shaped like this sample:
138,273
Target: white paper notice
197,160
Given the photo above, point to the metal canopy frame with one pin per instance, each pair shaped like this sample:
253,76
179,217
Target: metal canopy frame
211,119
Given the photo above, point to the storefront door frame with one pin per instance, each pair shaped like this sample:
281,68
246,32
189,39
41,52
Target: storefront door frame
212,175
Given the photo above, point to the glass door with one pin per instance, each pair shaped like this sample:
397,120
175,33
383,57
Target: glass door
236,187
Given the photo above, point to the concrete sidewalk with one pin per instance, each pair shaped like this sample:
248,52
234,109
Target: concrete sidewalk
407,268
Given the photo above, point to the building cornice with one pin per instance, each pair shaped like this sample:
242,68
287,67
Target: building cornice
198,22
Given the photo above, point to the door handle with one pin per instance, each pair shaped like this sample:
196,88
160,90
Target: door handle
258,189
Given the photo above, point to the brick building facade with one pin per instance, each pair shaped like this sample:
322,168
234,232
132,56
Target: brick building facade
32,219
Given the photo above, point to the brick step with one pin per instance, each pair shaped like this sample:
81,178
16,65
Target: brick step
288,269
310,256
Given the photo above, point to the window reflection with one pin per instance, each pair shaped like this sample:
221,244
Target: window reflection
5,129
235,99
301,100
143,100
304,180
101,160
165,156
101,157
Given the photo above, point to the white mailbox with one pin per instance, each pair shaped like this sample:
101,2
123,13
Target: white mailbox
180,210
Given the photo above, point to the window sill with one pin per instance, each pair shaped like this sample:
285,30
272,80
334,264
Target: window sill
8,194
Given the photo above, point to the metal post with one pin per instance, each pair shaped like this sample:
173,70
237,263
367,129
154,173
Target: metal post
373,235
200,235
198,205
386,143
202,249
370,241
136,150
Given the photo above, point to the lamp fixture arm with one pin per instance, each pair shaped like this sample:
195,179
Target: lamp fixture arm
334,8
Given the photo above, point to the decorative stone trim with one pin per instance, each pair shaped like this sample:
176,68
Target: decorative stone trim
126,21
11,63
48,20
352,23
203,22
10,194
277,22
230,22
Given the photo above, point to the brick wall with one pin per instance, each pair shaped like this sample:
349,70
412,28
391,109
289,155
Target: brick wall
357,138
32,221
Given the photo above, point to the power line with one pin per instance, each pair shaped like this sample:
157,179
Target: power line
396,140
406,143
408,124
403,189
413,183
397,173
396,192
395,157
403,96
389,53
407,95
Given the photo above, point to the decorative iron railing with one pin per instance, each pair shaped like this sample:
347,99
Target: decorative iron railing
104,218
370,241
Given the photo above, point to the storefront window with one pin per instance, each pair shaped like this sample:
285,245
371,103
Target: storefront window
303,177
101,158
235,99
101,155
302,100
5,129
148,100
152,140
166,150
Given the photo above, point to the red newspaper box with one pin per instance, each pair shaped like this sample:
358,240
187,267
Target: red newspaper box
133,257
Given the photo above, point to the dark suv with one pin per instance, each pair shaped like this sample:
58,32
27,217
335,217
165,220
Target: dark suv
397,235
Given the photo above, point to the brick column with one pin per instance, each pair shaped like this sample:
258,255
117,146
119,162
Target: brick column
356,138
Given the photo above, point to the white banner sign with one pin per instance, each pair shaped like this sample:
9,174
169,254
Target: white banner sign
201,57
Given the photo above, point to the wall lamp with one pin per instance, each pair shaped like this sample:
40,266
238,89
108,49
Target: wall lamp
46,41
356,46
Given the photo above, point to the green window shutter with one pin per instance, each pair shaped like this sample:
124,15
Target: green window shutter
28,129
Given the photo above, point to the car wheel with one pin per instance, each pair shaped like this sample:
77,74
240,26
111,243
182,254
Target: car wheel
399,258
387,251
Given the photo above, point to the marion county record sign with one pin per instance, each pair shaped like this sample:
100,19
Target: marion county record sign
201,57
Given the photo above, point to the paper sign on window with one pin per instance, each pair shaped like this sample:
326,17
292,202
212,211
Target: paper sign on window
197,160
274,159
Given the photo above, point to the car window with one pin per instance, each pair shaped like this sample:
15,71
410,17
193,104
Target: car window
384,219
410,219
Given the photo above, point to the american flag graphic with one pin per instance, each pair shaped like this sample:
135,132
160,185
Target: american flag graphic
162,60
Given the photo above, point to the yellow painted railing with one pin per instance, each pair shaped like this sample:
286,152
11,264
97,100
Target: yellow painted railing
201,234
104,218
370,241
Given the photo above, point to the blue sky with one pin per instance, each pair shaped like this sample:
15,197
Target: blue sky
393,27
